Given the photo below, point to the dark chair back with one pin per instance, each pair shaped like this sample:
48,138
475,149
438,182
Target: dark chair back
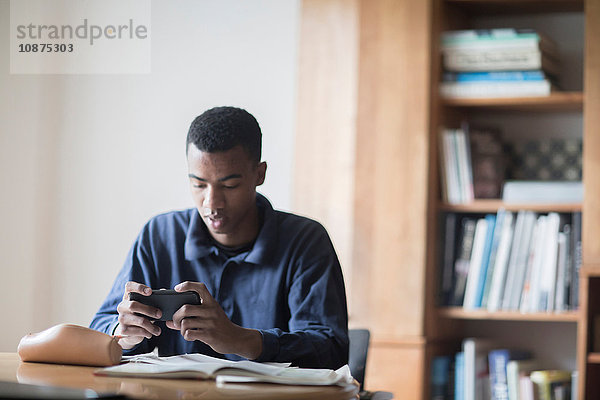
359,348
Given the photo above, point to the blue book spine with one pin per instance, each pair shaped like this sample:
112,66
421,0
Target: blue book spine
440,373
491,219
497,360
494,76
459,376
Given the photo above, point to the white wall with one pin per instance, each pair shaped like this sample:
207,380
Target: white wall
85,160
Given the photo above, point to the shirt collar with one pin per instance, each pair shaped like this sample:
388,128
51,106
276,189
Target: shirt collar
199,244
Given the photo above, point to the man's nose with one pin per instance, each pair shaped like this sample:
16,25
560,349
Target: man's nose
213,199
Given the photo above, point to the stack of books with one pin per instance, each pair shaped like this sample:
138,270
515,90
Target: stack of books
497,63
472,163
511,261
483,371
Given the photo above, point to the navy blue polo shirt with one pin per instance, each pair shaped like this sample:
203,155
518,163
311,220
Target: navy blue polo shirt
288,285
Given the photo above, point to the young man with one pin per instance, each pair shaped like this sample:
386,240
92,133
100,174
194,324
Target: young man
270,282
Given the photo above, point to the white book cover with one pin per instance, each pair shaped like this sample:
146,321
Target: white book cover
521,260
483,89
496,39
560,301
451,167
502,257
475,362
548,278
542,192
525,303
469,60
519,45
526,390
456,143
537,271
512,262
464,161
475,264
514,368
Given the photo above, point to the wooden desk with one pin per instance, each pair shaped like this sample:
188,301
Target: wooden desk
13,370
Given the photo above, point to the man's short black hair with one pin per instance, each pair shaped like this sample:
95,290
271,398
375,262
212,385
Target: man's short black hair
223,128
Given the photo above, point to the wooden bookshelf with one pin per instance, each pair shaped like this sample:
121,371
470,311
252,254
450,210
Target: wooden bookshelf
557,101
524,111
383,57
492,205
483,315
593,358
589,359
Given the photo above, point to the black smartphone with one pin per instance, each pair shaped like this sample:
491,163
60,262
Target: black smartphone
166,300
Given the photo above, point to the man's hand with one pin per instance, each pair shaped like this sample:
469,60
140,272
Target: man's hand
209,323
135,318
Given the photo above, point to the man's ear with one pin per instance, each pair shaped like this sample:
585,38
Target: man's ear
262,171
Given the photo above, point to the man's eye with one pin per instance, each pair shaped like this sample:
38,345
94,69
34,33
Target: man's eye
231,186
199,186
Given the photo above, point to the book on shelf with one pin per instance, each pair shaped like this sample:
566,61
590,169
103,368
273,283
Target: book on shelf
497,38
543,277
511,261
459,376
480,370
498,360
516,369
498,49
472,163
449,172
199,366
576,259
479,260
554,192
441,376
497,274
574,385
476,372
494,76
498,229
448,242
526,389
463,150
500,89
563,273
517,265
485,263
483,60
552,384
455,167
463,259
488,162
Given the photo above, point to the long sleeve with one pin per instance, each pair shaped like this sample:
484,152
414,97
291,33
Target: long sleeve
318,322
138,268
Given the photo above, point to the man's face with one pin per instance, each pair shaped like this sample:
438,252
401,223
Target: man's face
223,186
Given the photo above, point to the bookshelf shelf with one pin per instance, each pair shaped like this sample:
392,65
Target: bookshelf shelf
492,205
460,313
593,358
558,101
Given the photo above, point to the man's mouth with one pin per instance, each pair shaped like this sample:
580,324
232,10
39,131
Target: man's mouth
216,221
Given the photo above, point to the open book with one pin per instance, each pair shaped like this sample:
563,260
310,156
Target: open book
199,366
